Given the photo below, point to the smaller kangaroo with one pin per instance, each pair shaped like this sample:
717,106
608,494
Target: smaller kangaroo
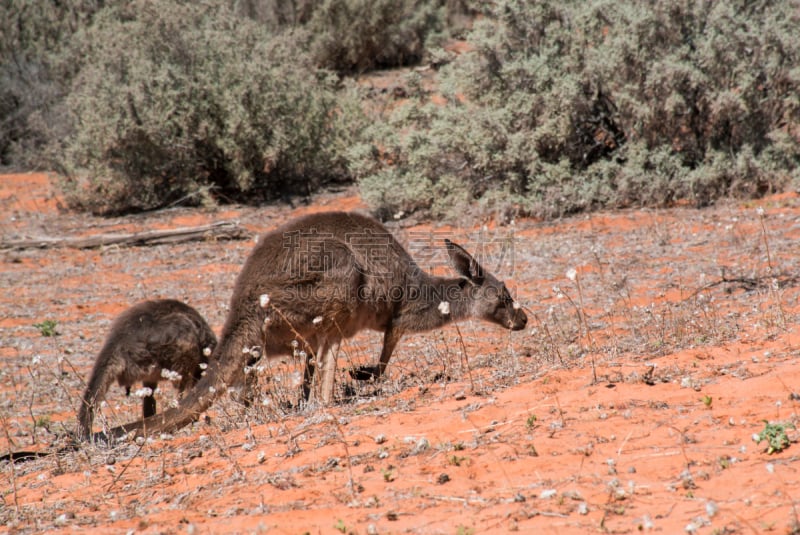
144,340
322,278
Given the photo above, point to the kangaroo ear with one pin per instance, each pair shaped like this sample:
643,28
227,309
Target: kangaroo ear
464,264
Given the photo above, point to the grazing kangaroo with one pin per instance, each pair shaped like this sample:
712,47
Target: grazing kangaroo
322,278
148,338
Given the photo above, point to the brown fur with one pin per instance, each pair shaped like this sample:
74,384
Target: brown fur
145,339
329,276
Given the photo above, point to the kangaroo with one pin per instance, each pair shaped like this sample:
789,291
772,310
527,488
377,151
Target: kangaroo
322,278
147,338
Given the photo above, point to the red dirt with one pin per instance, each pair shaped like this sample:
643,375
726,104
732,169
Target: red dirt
628,404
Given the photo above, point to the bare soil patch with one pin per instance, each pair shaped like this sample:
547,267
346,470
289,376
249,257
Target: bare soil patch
659,343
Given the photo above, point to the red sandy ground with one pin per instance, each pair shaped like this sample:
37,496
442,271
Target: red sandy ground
628,404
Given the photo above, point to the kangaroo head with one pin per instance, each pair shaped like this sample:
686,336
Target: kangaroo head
489,298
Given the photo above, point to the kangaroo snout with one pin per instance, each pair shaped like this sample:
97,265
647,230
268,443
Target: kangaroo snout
518,319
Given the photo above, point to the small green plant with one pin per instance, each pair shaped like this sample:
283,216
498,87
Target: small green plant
530,423
455,460
707,401
340,526
388,475
775,435
464,530
43,422
47,327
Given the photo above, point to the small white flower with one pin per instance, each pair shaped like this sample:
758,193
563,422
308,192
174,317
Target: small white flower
203,365
516,306
170,375
756,438
263,300
444,308
143,392
295,343
211,389
267,321
572,274
760,211
317,320
207,351
37,359
711,509
547,494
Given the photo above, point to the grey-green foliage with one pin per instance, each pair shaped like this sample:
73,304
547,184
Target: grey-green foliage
30,85
564,106
359,35
175,97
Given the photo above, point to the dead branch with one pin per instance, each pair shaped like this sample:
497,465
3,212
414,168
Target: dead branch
222,230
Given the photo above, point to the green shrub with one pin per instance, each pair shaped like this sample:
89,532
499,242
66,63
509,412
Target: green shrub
174,99
567,106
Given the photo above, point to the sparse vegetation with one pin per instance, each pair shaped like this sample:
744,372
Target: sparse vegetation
656,302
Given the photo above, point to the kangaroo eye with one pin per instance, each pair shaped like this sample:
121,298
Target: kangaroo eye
506,296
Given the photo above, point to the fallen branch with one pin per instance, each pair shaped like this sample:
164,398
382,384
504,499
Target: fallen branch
748,284
222,230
